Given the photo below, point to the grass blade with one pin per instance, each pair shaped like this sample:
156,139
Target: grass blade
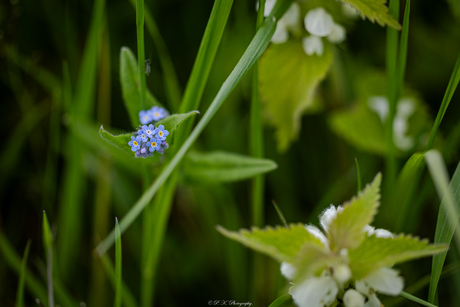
451,87
280,214
283,301
358,175
118,288
449,212
416,299
140,47
252,53
48,248
22,277
403,49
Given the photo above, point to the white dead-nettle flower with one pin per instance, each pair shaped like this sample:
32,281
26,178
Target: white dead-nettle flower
289,22
319,22
337,35
405,109
313,44
322,291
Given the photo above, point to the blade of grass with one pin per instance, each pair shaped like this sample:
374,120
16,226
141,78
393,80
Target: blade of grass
252,53
22,277
140,47
358,175
127,296
391,66
451,87
48,249
283,301
12,259
118,288
416,299
280,214
401,69
449,212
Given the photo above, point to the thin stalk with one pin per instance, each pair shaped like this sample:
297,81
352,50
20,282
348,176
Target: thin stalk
119,287
358,174
391,65
416,299
22,277
140,47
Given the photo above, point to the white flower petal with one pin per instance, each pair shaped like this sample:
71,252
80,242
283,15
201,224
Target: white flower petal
406,107
315,292
319,22
369,229
380,105
373,301
281,34
313,44
342,273
386,281
291,19
269,5
349,11
383,233
288,270
337,35
328,216
363,287
353,298
318,234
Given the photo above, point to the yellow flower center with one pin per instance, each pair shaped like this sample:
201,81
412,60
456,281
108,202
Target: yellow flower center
154,144
135,143
156,114
160,133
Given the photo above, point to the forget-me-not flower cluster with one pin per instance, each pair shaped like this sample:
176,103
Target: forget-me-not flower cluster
152,115
148,139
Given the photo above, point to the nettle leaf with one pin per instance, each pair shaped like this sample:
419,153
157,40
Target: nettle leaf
375,253
130,86
312,259
173,122
222,166
360,127
288,79
346,230
281,243
374,10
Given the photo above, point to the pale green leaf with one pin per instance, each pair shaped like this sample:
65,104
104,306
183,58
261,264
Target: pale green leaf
288,78
375,253
281,243
222,166
346,230
312,259
374,10
130,86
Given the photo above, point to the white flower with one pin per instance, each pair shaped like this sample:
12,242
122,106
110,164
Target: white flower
315,292
289,21
379,233
337,35
379,104
269,5
353,298
342,273
288,270
313,44
328,216
383,280
318,234
319,22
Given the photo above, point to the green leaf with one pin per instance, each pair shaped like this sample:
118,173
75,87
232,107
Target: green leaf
173,122
360,127
281,243
130,86
449,212
374,10
346,230
375,253
22,277
312,260
119,141
47,237
221,166
118,288
284,300
288,79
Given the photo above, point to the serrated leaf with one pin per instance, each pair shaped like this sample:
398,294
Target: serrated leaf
130,86
346,230
374,10
280,243
375,253
360,127
222,166
173,122
288,79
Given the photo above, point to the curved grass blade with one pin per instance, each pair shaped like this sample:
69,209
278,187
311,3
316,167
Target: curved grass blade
252,53
118,288
451,87
48,248
283,301
416,299
22,277
449,212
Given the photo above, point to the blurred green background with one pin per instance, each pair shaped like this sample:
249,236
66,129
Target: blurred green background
39,38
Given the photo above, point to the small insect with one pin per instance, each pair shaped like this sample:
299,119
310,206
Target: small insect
147,67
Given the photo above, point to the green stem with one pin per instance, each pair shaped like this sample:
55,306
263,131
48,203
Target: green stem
140,47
